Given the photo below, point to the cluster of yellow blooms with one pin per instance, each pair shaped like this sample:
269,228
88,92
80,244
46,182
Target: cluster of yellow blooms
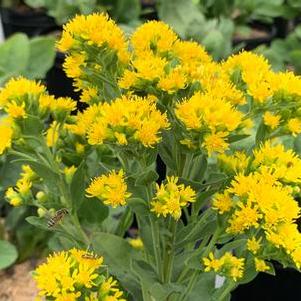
126,120
70,275
171,197
83,38
228,265
21,98
21,193
264,200
111,189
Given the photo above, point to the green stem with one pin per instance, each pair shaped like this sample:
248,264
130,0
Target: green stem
228,288
169,252
187,165
155,236
124,221
190,286
212,242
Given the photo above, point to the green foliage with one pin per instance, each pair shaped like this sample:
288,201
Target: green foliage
8,254
30,58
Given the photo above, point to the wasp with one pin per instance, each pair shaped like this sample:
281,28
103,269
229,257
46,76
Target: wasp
59,215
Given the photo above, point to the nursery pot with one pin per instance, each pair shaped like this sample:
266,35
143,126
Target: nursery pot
260,34
149,6
58,84
24,19
284,286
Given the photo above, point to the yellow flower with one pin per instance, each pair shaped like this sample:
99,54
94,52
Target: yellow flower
18,87
215,142
52,134
254,245
149,67
111,189
237,163
294,126
228,265
68,275
95,29
14,110
173,81
136,243
283,164
212,264
260,265
271,120
222,202
153,36
6,134
69,172
171,197
127,120
245,217
63,104
72,65
88,94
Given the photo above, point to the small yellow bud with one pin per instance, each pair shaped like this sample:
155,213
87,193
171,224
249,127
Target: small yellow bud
41,212
41,196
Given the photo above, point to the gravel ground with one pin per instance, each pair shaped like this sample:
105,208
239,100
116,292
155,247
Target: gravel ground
16,283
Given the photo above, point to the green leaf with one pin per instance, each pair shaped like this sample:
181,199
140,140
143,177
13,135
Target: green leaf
8,254
93,211
139,206
14,54
41,58
37,222
261,134
179,14
77,187
198,168
146,178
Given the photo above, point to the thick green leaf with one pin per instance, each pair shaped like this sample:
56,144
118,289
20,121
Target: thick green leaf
37,222
146,178
198,168
8,254
77,187
93,211
41,58
14,54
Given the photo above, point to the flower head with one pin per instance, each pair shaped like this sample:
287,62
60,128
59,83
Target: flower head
111,189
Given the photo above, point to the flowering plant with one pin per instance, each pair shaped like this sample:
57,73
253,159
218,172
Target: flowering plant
226,204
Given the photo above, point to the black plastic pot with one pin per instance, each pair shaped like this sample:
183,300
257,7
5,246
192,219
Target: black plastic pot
286,285
27,21
253,42
58,84
149,6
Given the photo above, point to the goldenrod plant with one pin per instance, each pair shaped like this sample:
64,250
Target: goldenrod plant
225,131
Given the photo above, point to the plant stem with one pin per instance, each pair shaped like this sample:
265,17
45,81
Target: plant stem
123,223
190,286
156,245
212,242
169,252
228,288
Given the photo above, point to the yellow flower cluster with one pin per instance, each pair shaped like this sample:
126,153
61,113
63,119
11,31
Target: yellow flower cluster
161,60
82,39
111,189
125,120
21,193
236,163
263,200
70,275
285,165
6,134
228,265
208,120
171,197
